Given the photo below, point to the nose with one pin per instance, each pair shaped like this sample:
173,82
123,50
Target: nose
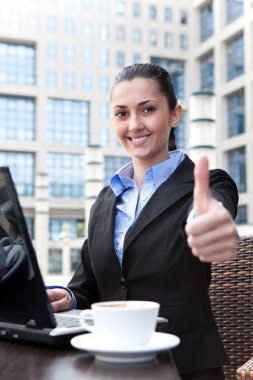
135,123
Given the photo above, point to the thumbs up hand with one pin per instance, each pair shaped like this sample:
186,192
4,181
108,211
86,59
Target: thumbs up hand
212,233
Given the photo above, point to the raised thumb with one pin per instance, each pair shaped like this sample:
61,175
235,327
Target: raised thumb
201,193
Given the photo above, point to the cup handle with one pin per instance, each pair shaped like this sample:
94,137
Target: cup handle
87,320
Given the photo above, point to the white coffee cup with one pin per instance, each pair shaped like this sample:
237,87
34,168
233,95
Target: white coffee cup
121,323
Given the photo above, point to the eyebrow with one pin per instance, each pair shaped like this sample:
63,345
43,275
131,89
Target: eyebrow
139,104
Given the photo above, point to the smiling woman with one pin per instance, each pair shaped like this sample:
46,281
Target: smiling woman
141,242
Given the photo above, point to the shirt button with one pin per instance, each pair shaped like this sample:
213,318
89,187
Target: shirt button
143,197
123,283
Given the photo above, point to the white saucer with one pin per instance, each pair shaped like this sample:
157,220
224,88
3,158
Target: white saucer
135,354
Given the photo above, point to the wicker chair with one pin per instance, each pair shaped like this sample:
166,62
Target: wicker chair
231,293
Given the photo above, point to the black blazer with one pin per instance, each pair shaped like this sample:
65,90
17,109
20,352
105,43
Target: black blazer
158,264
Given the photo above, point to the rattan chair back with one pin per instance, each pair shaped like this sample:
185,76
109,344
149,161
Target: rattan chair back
231,294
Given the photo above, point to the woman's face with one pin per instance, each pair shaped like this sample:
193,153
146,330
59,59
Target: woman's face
142,120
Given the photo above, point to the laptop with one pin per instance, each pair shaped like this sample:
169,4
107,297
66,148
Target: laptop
25,311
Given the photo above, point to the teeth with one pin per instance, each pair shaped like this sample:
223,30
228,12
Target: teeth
136,139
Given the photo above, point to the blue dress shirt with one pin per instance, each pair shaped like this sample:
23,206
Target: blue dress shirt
130,203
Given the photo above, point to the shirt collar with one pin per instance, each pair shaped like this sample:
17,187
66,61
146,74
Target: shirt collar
123,178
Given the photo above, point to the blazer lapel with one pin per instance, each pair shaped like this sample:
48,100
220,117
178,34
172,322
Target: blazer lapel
178,184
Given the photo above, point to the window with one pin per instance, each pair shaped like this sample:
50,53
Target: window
153,37
87,5
168,40
103,110
30,226
69,80
111,165
183,41
52,24
33,22
137,58
75,256
120,7
176,68
241,217
66,175
17,64
120,59
17,120
87,82
22,166
237,167
68,122
207,72
136,10
180,133
104,6
59,226
136,36
51,78
183,17
103,84
235,109
234,9
104,32
104,57
69,54
120,33
87,30
152,12
55,261
69,26
87,56
235,59
167,14
206,21
51,51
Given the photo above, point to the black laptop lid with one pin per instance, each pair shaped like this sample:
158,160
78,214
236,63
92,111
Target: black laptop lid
23,298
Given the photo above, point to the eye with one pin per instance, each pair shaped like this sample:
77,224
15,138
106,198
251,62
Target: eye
149,109
120,114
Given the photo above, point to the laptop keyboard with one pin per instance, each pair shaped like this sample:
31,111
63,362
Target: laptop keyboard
66,320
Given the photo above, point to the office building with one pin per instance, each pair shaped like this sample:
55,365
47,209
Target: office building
58,59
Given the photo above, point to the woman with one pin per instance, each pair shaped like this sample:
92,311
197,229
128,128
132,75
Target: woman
144,241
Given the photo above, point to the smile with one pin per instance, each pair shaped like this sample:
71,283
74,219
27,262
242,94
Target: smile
138,139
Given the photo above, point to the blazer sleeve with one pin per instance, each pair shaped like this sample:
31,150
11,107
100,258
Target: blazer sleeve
83,283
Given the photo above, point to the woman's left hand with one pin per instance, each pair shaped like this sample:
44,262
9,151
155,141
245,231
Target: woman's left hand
212,234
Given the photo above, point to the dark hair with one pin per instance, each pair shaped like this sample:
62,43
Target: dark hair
163,80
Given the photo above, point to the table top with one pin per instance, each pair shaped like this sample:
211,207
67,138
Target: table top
22,361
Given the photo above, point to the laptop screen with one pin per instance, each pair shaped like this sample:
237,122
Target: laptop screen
23,299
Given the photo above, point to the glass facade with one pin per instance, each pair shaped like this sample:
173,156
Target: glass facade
58,227
22,167
17,64
17,118
68,122
75,255
235,57
176,69
234,9
66,175
237,167
55,261
242,217
236,122
207,72
111,165
206,21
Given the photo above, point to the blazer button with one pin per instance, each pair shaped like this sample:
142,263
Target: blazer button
123,283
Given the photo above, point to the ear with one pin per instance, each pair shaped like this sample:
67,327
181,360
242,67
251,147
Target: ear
176,116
